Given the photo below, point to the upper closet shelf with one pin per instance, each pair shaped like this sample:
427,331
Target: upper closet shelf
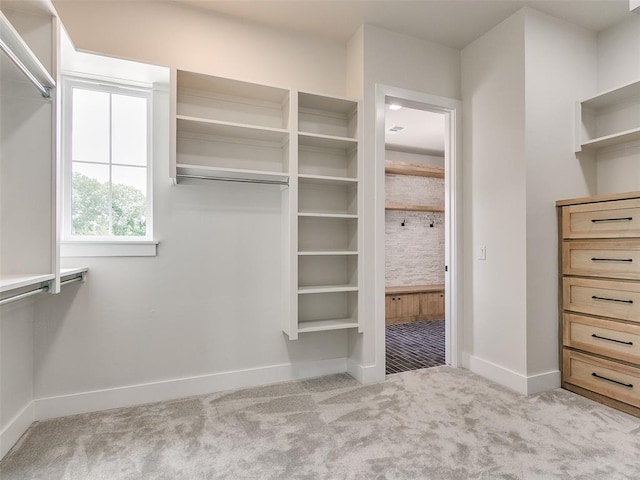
327,141
15,282
218,128
23,57
326,180
202,172
608,119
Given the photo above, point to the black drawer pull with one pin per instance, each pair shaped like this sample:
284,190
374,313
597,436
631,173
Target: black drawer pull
628,385
612,299
610,339
622,219
612,260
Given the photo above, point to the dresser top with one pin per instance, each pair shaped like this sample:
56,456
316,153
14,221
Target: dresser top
598,198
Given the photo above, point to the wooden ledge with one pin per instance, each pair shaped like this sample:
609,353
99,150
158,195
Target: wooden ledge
414,208
413,169
414,289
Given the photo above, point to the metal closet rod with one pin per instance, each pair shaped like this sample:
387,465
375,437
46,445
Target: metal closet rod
45,91
24,295
238,180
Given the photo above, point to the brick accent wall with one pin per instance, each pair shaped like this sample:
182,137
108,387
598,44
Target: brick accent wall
414,254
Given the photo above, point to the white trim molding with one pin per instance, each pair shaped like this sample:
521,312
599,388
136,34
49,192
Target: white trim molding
10,435
522,384
363,373
85,402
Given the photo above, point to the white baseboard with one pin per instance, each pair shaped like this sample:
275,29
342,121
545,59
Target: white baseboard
522,384
84,402
365,374
16,428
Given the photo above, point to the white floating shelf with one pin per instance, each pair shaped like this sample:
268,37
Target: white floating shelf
204,126
14,282
324,325
613,96
325,180
326,141
327,289
230,173
327,252
614,139
327,215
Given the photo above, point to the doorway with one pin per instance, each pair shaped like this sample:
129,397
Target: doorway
414,238
417,212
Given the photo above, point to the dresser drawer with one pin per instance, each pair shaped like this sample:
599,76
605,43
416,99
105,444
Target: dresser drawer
605,337
602,297
602,220
616,259
605,377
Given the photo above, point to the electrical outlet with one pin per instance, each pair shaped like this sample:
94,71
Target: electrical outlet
482,252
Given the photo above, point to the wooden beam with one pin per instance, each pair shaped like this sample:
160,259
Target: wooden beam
414,208
402,168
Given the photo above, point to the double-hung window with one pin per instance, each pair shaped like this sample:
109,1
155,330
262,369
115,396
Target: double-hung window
107,164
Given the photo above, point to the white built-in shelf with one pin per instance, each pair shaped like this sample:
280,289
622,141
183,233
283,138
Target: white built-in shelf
19,51
14,282
206,172
326,141
613,139
217,128
326,180
327,289
609,118
66,272
414,208
327,215
329,324
326,252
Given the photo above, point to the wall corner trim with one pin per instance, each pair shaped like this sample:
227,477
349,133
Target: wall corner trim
364,373
16,428
522,384
92,401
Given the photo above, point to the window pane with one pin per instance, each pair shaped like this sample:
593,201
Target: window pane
129,130
90,200
90,126
129,196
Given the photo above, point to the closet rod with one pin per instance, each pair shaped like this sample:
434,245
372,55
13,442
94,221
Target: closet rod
24,295
71,280
45,91
239,180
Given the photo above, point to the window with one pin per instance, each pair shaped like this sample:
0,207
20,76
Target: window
107,162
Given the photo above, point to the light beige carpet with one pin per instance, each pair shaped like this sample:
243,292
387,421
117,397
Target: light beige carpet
439,423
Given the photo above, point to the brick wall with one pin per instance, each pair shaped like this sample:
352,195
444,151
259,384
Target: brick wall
414,254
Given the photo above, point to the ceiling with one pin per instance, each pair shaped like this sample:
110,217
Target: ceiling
454,23
422,131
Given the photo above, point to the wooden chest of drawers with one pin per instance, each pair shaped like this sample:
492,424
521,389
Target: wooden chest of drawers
600,298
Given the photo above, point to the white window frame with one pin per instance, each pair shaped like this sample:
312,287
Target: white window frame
87,245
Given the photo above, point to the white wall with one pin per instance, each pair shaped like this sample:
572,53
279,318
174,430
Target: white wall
392,59
210,302
560,65
520,82
493,76
619,64
190,38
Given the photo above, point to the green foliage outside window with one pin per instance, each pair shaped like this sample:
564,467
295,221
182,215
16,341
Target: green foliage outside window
90,209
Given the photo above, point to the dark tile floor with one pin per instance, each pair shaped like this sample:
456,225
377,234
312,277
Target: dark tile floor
414,345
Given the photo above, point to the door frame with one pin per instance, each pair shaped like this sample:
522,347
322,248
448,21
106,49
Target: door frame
452,110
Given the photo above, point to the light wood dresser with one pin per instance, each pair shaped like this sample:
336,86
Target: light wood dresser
600,298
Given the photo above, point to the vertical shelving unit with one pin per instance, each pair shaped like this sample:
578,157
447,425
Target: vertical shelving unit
229,130
226,129
327,221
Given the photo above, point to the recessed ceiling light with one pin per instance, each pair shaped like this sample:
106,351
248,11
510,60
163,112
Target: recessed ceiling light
395,106
395,129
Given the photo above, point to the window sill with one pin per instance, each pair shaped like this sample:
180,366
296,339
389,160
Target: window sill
142,248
